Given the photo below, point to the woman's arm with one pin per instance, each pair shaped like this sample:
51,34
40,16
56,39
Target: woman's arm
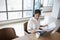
32,30
31,27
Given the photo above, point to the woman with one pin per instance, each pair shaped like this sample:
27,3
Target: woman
34,22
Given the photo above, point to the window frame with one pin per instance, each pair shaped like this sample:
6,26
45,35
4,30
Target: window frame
15,10
18,10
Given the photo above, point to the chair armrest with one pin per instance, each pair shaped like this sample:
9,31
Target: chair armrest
25,33
17,36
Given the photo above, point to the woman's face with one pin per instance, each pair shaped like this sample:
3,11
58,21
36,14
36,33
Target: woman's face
37,15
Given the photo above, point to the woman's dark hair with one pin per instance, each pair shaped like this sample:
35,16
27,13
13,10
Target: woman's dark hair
37,12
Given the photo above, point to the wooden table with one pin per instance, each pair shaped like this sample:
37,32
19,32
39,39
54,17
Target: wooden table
55,36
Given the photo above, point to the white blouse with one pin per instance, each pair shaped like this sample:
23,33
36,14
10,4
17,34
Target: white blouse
33,24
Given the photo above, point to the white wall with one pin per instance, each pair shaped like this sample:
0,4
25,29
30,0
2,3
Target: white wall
56,7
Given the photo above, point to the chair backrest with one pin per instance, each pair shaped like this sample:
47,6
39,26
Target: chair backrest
58,30
7,34
25,26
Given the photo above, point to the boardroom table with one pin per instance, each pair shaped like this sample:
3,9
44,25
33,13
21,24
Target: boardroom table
55,36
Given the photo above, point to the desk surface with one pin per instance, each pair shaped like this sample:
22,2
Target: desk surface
55,36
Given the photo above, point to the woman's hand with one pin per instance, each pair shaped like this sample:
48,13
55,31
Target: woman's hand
43,25
40,28
33,31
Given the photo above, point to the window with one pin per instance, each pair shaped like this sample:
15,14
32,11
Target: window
37,4
19,5
2,5
27,8
50,3
45,2
3,16
27,14
15,9
42,1
28,4
14,15
14,5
